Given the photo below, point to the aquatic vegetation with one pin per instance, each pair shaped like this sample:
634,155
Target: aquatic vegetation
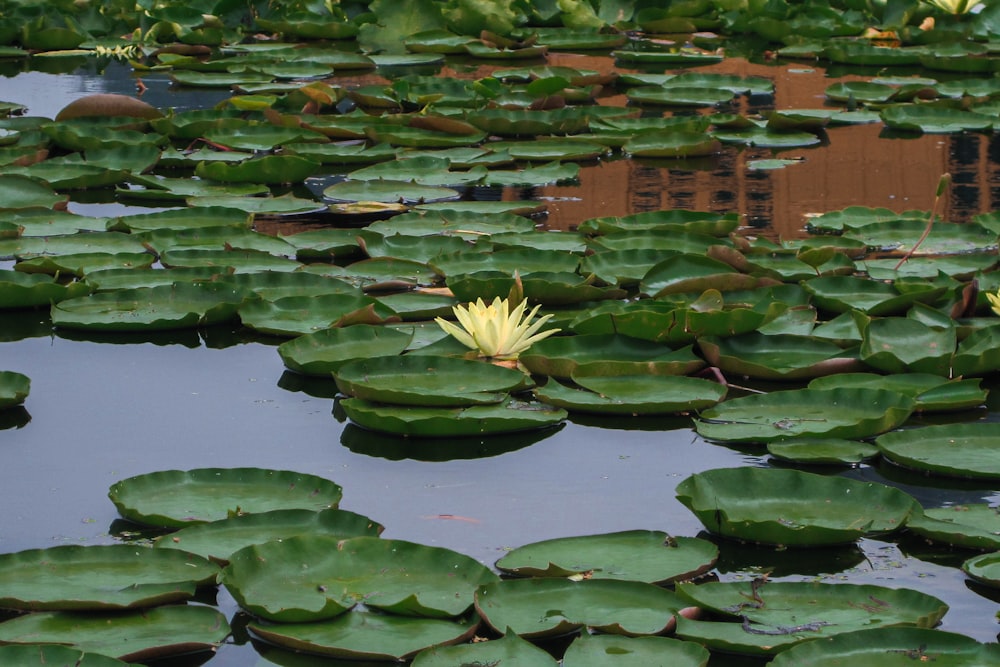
496,330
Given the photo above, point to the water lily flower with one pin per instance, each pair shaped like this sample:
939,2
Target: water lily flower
994,299
497,330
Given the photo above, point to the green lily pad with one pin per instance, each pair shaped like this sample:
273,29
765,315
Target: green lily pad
778,615
324,352
633,394
14,389
29,290
953,450
366,636
840,294
671,144
822,451
522,261
529,123
387,192
182,219
100,577
934,119
509,649
752,504
597,651
508,416
985,569
544,607
428,381
903,344
133,636
176,306
687,272
238,259
43,655
607,355
218,540
315,577
679,95
298,315
637,555
269,169
945,238
835,413
890,647
179,498
778,356
974,526
932,393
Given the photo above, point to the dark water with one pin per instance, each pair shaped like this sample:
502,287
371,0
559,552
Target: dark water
99,411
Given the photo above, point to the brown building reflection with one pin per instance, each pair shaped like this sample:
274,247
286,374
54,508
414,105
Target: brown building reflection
858,165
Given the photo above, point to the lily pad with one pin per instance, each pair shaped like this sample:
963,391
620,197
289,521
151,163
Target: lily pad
834,413
99,577
133,636
14,389
315,577
387,192
752,504
545,607
298,315
176,306
637,555
45,655
890,647
324,352
633,394
508,416
428,381
985,569
822,451
509,649
777,615
218,540
778,356
974,526
932,393
366,635
597,651
178,498
953,450
607,355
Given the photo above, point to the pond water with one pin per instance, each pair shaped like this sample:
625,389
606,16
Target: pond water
102,409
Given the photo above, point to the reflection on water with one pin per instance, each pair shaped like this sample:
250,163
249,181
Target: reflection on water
396,448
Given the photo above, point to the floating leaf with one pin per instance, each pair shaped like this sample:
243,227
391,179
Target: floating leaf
427,381
834,413
315,577
99,577
218,540
953,450
752,504
134,636
366,636
178,498
508,416
889,647
324,352
546,607
638,555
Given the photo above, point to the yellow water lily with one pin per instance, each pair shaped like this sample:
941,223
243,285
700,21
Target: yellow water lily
955,7
994,299
497,330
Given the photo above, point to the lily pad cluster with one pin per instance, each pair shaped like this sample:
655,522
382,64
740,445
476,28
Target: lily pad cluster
321,580
406,193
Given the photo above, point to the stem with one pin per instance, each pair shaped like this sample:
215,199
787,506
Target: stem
942,186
